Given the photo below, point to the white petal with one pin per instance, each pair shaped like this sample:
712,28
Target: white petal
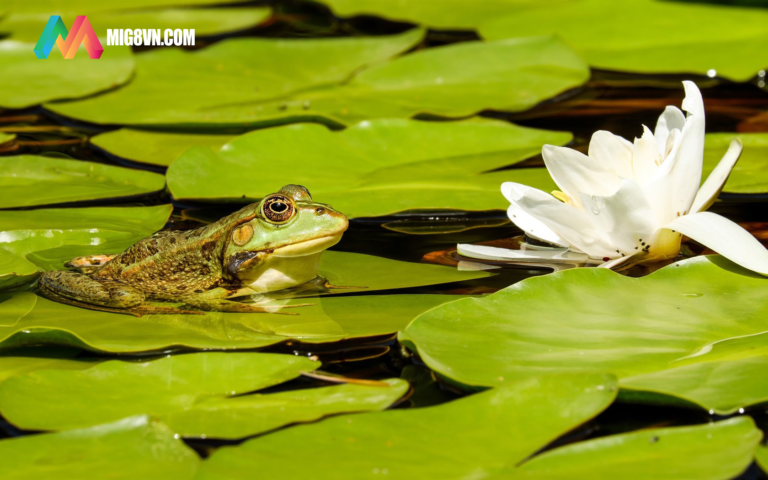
625,217
725,237
532,227
645,156
612,151
716,180
567,221
672,118
575,172
673,187
623,262
484,252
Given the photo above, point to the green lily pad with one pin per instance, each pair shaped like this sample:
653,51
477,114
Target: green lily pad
728,40
468,438
26,319
373,168
204,21
750,175
448,14
249,415
721,450
135,447
28,81
6,137
47,238
245,71
155,148
602,321
24,361
49,399
95,6
30,180
761,456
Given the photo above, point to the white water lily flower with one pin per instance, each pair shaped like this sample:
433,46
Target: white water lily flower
629,203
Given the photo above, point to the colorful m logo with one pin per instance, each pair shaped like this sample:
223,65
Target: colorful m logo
68,41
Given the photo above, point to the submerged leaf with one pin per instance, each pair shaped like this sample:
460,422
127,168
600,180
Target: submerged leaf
30,180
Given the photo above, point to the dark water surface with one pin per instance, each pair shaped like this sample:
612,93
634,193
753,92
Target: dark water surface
617,102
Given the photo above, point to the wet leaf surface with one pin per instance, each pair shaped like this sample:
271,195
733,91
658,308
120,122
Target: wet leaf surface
246,72
722,450
51,399
28,81
30,180
249,415
477,435
26,319
136,447
373,168
600,320
48,238
727,40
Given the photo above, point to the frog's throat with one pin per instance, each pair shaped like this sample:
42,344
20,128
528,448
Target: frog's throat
307,247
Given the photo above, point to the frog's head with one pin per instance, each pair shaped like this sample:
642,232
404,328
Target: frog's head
281,245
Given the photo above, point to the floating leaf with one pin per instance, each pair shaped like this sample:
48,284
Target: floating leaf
28,81
373,168
249,415
750,175
155,148
727,41
135,447
471,437
24,361
30,180
244,70
50,399
6,137
600,320
713,451
47,238
761,456
204,21
26,319
447,15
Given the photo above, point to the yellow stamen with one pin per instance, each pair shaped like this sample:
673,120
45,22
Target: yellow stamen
560,196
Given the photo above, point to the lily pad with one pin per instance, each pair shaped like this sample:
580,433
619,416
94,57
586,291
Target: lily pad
249,415
49,399
448,14
204,21
28,81
362,170
244,70
751,172
29,360
727,41
721,450
602,321
47,238
26,319
6,137
135,447
155,148
30,180
471,437
761,456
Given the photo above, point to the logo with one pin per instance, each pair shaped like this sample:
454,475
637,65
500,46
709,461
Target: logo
68,41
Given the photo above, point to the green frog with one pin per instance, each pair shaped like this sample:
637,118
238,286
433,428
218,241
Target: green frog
267,246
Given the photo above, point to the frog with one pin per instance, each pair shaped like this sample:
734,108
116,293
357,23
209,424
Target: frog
268,246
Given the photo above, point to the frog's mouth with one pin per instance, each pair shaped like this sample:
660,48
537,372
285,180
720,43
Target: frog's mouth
307,247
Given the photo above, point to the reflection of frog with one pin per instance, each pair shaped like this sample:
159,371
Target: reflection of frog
268,246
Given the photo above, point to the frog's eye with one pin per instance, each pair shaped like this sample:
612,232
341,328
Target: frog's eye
278,209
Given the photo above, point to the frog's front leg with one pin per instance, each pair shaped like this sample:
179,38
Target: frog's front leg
216,300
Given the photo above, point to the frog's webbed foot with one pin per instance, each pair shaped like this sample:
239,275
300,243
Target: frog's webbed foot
89,263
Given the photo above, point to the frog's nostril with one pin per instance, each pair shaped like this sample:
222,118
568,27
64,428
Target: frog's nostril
319,210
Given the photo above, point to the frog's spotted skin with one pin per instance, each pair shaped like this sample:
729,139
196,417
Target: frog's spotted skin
263,247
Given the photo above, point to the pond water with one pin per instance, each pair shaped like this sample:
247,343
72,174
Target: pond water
618,102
